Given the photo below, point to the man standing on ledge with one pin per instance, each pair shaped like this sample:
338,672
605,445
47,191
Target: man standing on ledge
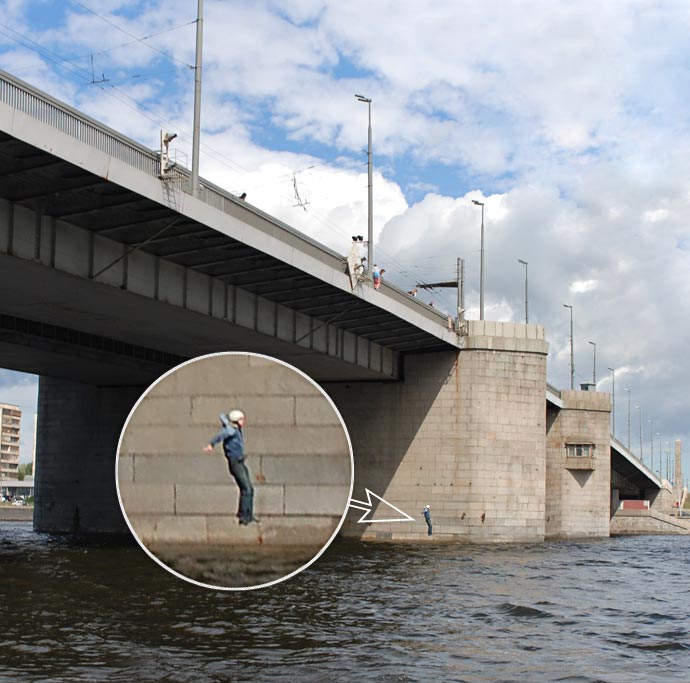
233,445
427,516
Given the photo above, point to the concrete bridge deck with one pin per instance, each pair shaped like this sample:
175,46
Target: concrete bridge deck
83,205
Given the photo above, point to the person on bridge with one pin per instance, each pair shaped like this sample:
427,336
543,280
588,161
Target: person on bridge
233,445
427,516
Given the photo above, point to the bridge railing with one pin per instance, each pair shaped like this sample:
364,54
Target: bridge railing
40,106
29,100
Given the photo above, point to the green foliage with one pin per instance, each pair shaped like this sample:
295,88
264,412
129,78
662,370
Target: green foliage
25,470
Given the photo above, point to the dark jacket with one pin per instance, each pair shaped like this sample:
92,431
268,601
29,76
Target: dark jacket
232,438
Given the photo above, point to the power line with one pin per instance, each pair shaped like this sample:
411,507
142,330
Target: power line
132,35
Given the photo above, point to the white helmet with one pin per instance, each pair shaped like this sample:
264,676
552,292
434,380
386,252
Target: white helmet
235,416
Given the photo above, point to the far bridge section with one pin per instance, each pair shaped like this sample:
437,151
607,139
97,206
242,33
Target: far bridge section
642,502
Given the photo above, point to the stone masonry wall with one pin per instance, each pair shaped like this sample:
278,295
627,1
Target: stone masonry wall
578,501
464,433
647,522
297,454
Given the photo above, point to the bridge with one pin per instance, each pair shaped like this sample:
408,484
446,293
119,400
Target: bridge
112,274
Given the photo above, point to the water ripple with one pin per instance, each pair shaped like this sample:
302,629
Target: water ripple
571,612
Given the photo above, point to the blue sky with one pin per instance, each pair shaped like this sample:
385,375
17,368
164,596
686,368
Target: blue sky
568,118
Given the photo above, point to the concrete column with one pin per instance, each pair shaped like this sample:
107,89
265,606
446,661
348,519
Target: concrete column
76,442
464,432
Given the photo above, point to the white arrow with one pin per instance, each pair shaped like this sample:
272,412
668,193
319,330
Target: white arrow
367,507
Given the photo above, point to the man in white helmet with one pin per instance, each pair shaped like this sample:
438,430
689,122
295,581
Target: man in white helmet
233,446
427,518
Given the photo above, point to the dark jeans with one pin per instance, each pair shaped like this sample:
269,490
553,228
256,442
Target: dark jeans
428,523
241,474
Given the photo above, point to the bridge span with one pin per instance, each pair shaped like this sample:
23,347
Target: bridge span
94,241
111,275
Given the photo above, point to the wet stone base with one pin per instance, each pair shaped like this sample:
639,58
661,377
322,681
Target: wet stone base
230,566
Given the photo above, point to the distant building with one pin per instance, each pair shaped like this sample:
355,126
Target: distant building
10,420
12,488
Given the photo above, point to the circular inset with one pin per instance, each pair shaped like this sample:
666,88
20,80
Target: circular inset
234,471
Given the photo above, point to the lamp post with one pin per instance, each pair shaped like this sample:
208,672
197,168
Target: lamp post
524,263
661,464
196,131
628,390
481,264
594,364
370,198
651,441
572,351
639,408
613,401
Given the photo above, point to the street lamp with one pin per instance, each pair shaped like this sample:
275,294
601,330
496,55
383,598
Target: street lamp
639,408
628,390
594,365
524,263
660,453
613,401
572,351
370,199
196,126
481,264
651,441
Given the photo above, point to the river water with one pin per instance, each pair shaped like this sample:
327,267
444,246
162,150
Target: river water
614,611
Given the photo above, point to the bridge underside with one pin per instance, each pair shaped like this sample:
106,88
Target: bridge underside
113,229
52,324
632,477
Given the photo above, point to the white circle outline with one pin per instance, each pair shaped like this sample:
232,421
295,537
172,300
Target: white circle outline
234,588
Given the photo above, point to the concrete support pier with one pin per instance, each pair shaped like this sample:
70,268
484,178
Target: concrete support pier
578,466
77,433
463,432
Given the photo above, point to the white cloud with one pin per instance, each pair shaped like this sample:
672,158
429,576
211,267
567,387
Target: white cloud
582,286
654,216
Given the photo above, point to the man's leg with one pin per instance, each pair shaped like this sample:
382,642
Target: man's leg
241,474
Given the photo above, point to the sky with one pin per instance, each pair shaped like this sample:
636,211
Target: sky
567,118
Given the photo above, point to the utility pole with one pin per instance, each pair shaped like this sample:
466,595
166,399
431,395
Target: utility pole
197,98
639,408
628,390
651,441
613,401
461,288
572,348
524,263
594,366
370,195
459,284
481,263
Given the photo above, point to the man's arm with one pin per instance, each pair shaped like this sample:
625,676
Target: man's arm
222,434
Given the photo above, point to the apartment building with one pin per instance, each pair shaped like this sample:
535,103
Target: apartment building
10,419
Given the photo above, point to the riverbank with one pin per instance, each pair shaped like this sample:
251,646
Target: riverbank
15,513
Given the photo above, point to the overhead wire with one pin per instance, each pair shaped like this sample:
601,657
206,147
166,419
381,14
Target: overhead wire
132,35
